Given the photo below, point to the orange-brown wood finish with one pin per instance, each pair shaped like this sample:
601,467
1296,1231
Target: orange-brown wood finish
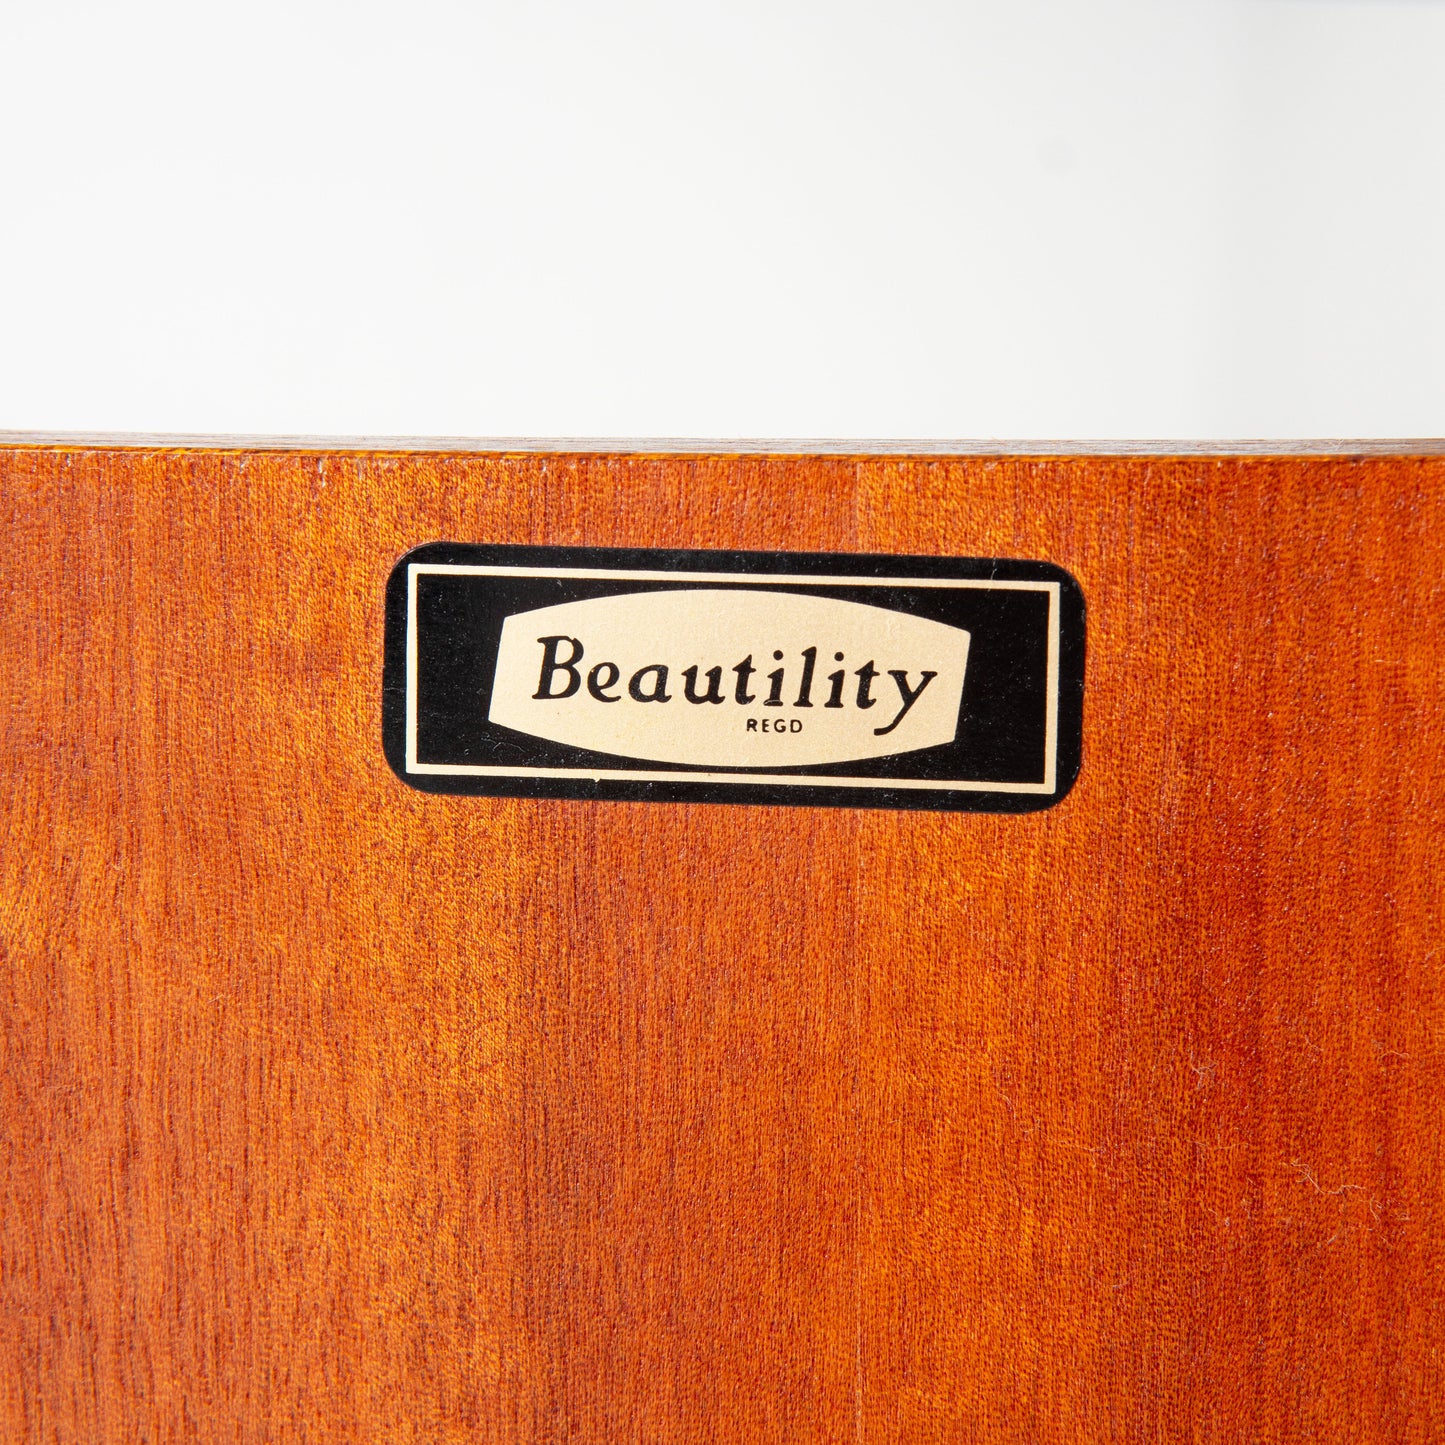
331,1111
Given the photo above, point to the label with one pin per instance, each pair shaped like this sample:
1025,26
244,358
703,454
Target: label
748,677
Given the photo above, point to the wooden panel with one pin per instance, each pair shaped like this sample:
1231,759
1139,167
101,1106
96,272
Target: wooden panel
333,1111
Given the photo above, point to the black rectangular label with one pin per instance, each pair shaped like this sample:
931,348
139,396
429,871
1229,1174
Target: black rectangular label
746,677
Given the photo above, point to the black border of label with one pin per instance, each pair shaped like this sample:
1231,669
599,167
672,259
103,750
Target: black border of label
837,564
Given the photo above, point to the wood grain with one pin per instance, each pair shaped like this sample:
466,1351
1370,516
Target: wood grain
332,1111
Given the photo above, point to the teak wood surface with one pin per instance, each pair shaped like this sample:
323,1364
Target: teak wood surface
331,1111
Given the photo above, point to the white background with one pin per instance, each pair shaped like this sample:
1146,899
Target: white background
1094,219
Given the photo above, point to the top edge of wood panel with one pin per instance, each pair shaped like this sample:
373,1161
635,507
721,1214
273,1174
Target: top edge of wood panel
728,446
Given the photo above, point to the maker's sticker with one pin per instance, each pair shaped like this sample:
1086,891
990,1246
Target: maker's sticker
751,677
